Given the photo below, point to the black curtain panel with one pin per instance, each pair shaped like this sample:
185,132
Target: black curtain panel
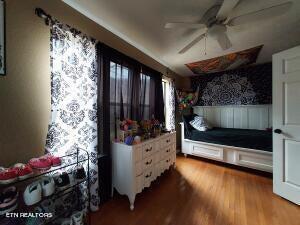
159,110
146,100
104,157
156,97
124,92
135,89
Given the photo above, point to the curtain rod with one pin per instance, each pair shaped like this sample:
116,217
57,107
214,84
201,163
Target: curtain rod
42,14
49,20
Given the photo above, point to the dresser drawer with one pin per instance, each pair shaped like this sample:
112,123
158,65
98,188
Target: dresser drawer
165,141
165,163
157,156
166,151
148,162
148,149
169,161
207,151
149,176
170,139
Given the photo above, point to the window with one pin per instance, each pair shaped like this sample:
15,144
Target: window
145,86
119,83
132,94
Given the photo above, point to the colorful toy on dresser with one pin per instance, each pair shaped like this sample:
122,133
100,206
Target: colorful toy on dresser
132,132
127,129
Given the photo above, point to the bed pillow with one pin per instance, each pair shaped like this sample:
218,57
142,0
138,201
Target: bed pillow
199,123
187,126
187,119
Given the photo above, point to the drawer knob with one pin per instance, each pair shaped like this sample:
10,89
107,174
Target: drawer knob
168,140
168,150
168,160
148,149
149,175
147,163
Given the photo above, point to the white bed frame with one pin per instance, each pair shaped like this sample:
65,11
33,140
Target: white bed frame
247,117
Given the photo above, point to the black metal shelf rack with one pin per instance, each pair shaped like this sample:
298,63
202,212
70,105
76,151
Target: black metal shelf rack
72,189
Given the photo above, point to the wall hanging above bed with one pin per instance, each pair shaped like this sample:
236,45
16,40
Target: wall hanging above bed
247,86
226,62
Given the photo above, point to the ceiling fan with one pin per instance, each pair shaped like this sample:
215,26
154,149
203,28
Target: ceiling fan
216,19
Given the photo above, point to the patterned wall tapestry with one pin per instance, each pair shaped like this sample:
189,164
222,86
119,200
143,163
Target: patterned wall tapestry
247,86
74,98
226,62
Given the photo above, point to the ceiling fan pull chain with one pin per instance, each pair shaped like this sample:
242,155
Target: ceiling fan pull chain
205,44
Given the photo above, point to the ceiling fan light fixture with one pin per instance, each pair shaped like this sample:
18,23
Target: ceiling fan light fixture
216,30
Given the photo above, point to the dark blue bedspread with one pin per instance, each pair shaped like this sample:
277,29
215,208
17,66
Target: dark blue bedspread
254,139
245,138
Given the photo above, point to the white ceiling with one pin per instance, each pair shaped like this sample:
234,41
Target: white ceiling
141,23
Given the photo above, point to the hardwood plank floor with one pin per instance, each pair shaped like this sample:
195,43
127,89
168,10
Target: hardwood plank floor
202,193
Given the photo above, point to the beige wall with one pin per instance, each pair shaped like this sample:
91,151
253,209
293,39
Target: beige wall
25,91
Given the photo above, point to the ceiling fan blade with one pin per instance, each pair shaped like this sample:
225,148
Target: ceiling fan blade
224,41
184,25
226,8
192,43
260,15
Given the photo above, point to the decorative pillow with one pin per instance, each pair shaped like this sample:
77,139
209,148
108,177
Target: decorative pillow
199,123
186,120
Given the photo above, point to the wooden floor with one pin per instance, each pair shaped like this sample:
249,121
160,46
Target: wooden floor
200,192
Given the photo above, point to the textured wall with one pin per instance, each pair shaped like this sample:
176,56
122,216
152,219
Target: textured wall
246,86
25,91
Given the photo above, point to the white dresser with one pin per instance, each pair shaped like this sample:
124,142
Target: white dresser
135,167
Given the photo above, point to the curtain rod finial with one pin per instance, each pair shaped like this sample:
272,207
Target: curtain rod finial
42,14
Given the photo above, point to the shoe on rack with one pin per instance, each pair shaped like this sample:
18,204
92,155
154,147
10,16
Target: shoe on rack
77,218
24,171
79,173
48,186
47,206
8,200
8,175
62,180
40,163
33,193
55,160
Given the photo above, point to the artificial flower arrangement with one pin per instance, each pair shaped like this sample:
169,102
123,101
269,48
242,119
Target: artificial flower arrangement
133,132
150,128
186,99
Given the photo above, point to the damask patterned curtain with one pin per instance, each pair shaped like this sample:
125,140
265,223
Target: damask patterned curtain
170,105
74,98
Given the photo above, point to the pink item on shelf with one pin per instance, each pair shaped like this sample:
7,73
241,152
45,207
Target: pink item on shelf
24,171
41,163
55,160
8,175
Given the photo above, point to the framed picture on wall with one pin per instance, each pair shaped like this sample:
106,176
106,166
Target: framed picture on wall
2,38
